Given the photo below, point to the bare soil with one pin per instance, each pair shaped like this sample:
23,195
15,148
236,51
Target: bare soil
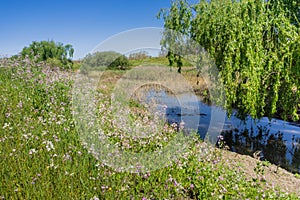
274,176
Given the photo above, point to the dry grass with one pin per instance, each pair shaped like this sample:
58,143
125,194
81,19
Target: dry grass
167,77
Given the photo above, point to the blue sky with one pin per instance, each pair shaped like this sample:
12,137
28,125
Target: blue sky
82,23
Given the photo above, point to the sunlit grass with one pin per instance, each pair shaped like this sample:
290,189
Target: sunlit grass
150,61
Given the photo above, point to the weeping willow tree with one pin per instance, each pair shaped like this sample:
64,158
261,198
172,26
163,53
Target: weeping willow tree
53,53
255,45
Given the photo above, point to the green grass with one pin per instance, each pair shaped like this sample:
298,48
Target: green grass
154,61
150,61
42,156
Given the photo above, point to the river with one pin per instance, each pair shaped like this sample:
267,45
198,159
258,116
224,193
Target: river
278,140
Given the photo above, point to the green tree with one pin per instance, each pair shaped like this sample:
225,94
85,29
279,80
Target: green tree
51,52
292,9
177,19
255,45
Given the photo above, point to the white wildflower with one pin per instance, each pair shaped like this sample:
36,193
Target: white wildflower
32,151
6,125
49,145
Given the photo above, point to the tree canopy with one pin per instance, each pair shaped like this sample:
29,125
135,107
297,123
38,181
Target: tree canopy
51,52
255,45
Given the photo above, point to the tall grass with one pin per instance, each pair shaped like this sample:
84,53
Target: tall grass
42,157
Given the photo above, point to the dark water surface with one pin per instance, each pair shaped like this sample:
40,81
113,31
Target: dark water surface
278,140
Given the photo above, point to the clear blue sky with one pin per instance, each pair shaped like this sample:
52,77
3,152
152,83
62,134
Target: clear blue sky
82,23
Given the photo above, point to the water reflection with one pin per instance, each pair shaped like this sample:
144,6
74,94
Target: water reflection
278,140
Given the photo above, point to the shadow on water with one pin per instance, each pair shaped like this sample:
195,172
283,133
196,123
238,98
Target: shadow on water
278,140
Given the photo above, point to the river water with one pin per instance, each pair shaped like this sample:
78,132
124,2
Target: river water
278,140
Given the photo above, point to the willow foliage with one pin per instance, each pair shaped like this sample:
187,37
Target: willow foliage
52,52
256,47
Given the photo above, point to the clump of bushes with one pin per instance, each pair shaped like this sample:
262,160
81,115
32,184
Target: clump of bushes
100,61
120,63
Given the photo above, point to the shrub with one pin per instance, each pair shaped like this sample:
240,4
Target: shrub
120,63
103,60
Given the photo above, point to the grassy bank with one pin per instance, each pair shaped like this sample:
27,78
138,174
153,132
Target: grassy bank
42,156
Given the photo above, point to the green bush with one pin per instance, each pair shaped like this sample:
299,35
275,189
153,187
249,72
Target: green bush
120,63
106,59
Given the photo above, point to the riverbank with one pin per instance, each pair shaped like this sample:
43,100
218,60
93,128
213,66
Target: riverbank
278,140
44,156
257,171
272,175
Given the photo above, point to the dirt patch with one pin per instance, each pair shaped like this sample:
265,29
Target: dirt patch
273,175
